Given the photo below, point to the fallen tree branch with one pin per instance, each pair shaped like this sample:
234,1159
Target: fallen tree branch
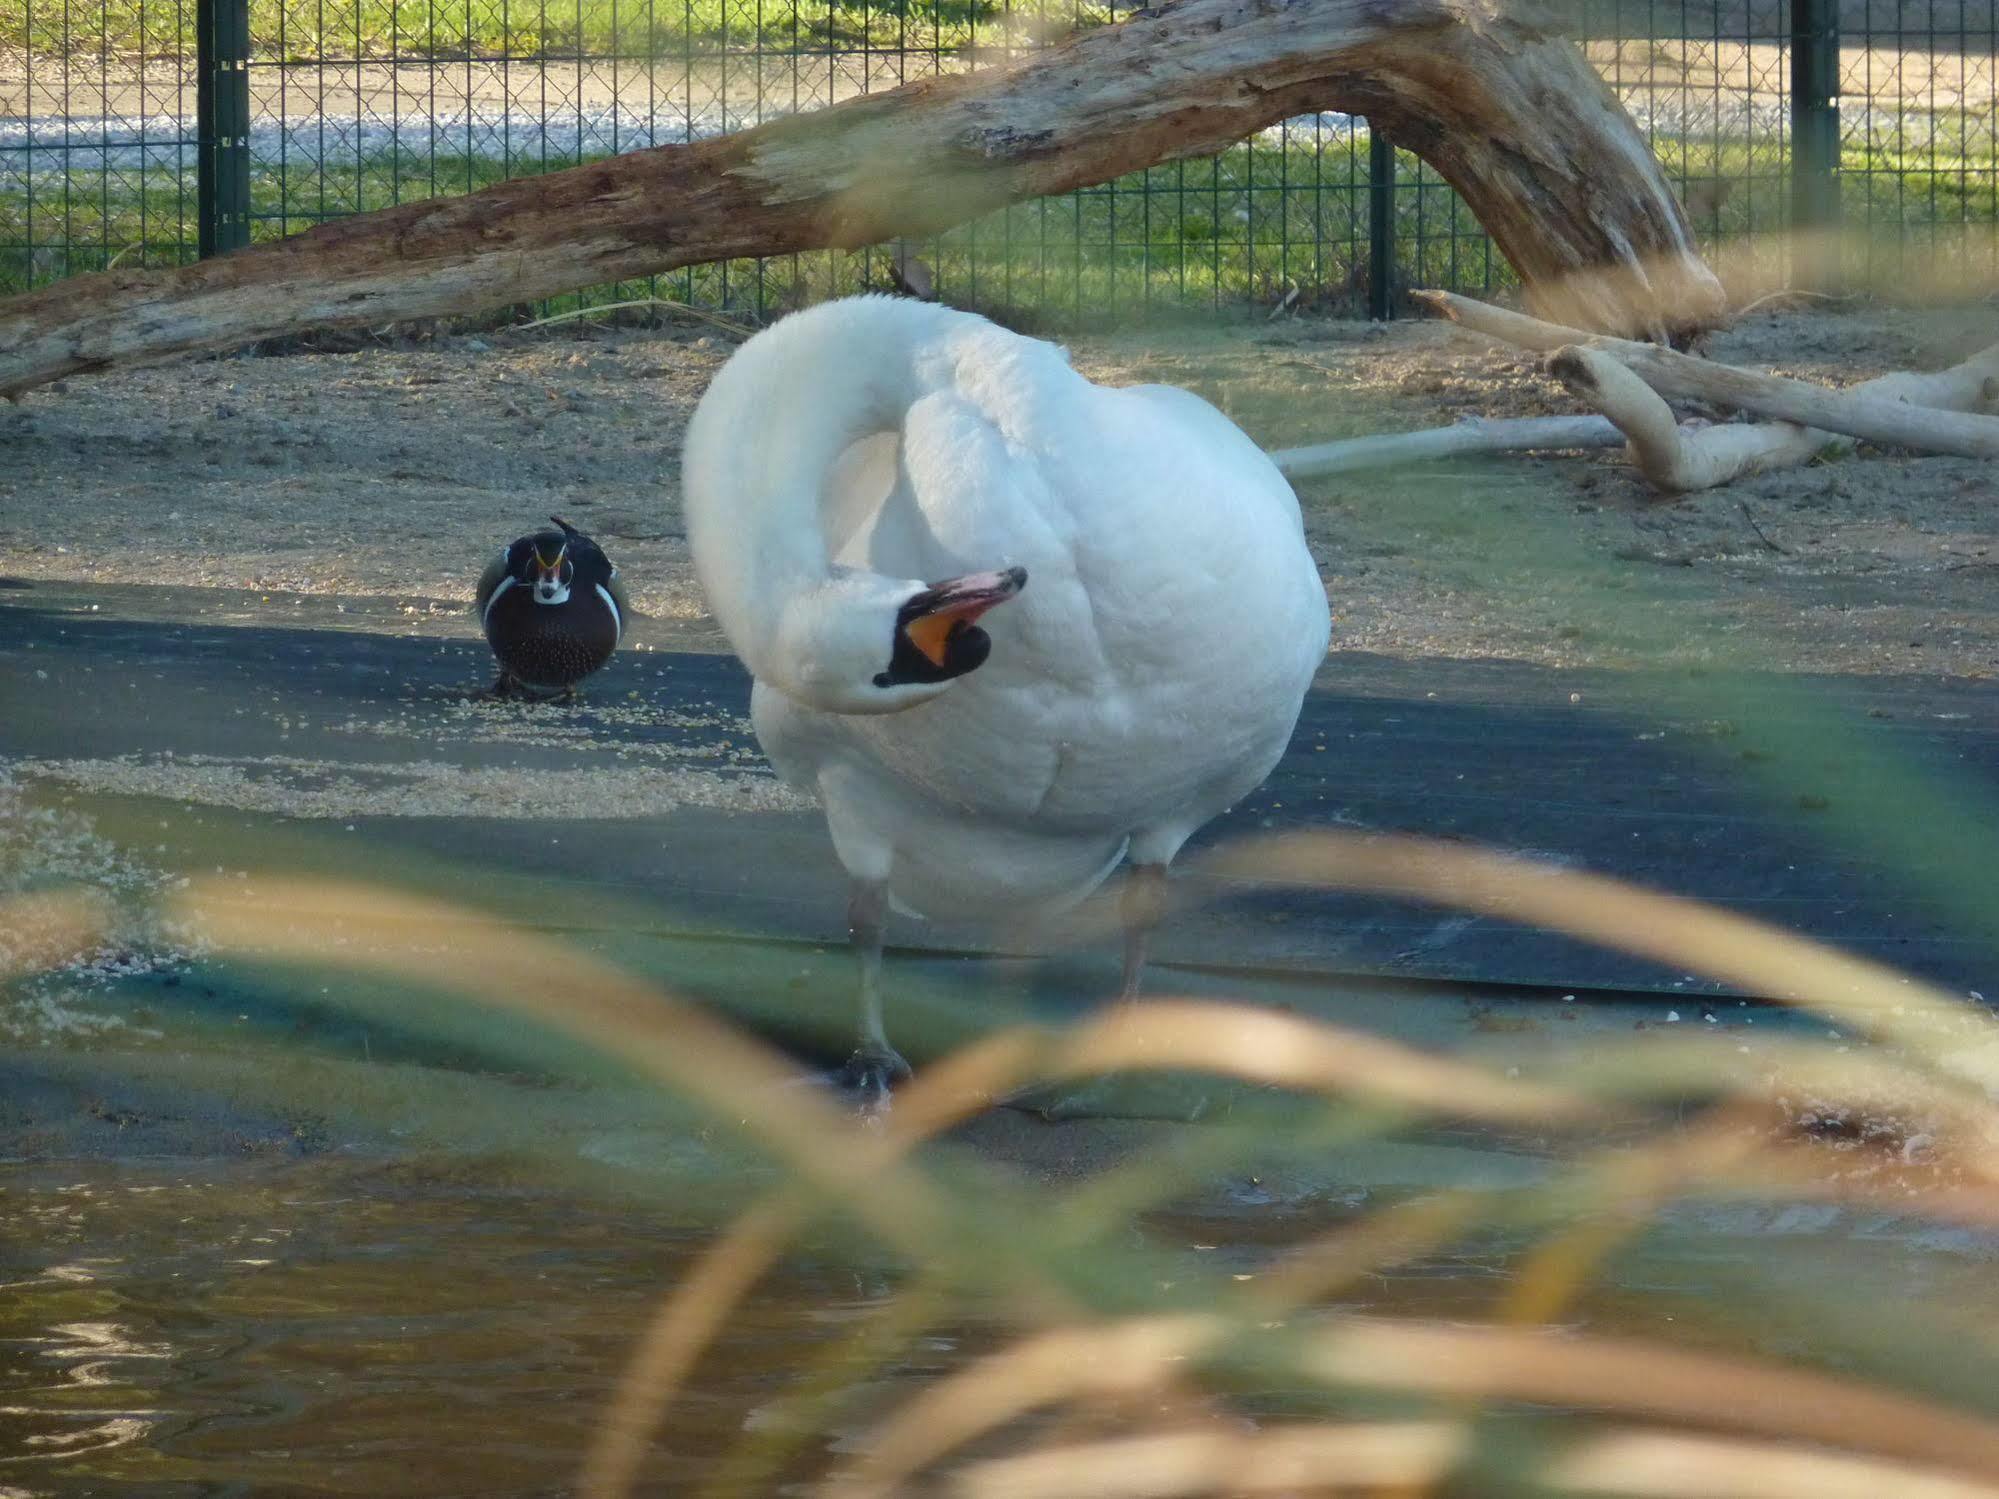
1676,458
1489,92
1877,418
1938,412
1501,323
1473,435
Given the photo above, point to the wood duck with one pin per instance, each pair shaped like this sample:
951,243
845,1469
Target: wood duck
552,610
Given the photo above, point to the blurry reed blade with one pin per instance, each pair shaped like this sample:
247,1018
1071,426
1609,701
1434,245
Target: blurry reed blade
1628,1186
824,1390
1389,1236
1328,1459
1451,1361
1285,1051
1653,1381
1957,1115
740,1081
1682,1465
1140,1353
1760,959
1234,1040
689,1319
46,930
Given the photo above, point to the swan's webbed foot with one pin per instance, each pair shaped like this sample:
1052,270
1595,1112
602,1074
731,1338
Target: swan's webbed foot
870,1074
506,686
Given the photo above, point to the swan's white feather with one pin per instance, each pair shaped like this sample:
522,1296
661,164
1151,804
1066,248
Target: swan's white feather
1148,676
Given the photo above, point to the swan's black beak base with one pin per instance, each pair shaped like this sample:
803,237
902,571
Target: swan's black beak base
935,637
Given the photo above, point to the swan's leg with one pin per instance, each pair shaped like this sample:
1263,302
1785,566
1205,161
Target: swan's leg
1141,905
875,1066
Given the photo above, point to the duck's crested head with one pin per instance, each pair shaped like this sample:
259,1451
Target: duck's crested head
552,564
864,643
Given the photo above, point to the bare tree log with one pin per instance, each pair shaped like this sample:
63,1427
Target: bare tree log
1674,458
1857,413
1877,411
1481,434
1503,106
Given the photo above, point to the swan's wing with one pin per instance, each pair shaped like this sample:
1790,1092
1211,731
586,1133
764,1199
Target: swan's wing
1223,452
1152,528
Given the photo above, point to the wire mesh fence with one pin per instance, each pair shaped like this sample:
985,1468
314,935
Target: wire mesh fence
350,105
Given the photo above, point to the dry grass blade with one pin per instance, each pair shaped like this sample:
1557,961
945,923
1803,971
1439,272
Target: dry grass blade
1956,1119
673,1342
1732,1146
1456,1362
1329,1459
1265,1046
1761,959
1654,1382
1629,1185
1677,1465
688,1320
671,1041
1118,1358
1388,1236
1258,1045
46,930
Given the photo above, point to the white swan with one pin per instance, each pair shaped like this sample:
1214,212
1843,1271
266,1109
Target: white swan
1149,673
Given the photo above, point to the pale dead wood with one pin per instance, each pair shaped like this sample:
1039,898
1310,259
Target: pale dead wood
1940,412
1860,412
1473,435
1509,327
1674,458
1678,458
1488,91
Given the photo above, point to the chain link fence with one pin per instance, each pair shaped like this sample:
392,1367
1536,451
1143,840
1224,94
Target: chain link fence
314,109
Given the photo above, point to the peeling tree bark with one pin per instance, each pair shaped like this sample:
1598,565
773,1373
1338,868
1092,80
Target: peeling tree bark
1485,90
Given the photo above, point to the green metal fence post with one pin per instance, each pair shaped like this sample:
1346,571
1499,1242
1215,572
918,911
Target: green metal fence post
1380,225
222,114
1815,143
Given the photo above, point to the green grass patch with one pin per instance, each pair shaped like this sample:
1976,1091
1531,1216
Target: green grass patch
309,30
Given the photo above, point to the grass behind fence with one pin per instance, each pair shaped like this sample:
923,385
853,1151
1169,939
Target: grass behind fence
312,30
1246,228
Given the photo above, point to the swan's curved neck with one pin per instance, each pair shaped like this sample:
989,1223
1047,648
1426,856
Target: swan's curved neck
759,453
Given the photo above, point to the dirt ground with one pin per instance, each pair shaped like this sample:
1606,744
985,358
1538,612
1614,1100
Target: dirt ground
388,474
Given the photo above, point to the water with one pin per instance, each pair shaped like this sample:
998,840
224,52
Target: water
221,1328
434,1326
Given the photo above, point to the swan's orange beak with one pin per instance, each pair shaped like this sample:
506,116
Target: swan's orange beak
942,607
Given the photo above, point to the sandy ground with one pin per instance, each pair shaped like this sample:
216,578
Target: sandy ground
386,475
